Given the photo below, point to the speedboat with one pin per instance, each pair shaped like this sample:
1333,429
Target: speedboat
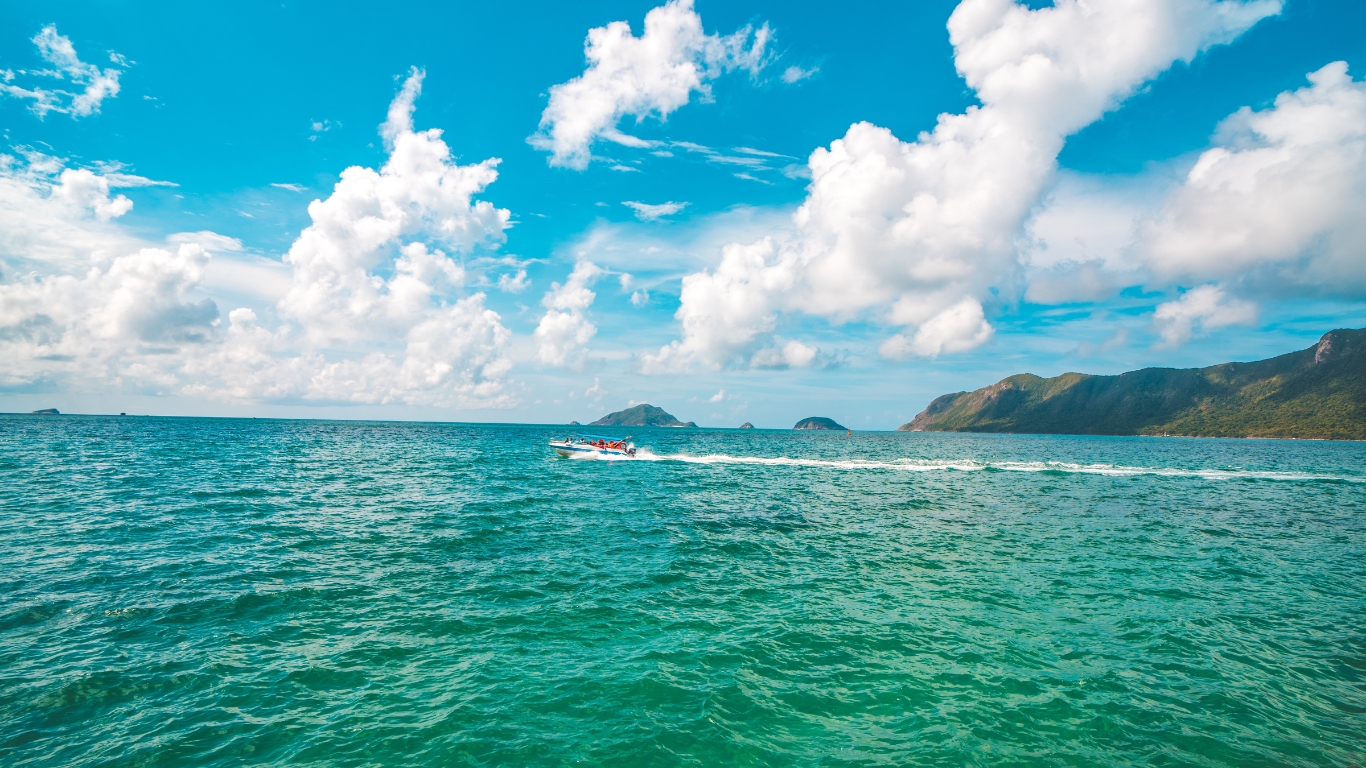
596,446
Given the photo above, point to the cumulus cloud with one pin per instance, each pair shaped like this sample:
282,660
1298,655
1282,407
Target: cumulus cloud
82,188
455,355
1200,309
653,74
961,327
114,323
374,312
1274,209
97,84
391,221
727,313
648,212
1280,201
791,354
371,220
54,218
918,233
513,283
564,330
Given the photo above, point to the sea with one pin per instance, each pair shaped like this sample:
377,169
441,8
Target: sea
233,592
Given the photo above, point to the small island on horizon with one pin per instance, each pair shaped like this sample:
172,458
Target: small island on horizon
819,422
643,415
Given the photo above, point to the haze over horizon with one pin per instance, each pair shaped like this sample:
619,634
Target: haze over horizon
746,212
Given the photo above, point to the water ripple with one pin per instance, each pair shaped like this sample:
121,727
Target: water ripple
229,592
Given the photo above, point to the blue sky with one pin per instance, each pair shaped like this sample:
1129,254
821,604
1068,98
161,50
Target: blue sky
1168,189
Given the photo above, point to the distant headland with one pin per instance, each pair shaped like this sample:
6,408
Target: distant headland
1315,393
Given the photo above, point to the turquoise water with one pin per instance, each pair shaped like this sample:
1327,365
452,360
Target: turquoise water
241,592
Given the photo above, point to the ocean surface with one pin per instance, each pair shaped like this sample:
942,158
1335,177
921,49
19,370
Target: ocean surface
254,592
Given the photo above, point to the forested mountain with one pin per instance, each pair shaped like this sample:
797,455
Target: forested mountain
1319,392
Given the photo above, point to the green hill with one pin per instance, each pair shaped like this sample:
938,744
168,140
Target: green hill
1319,392
643,415
818,422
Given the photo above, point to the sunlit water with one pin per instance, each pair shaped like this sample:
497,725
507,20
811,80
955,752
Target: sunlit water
241,592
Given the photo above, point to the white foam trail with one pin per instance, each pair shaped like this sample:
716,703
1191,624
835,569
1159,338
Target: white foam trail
969,465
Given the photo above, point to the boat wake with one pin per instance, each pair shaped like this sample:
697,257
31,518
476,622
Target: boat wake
968,465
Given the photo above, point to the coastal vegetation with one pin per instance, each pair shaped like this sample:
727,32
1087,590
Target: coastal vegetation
643,415
818,422
1318,392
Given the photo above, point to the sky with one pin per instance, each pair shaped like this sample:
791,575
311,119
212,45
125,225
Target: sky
743,211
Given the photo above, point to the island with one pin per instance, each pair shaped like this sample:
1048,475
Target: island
643,415
818,422
46,412
1315,393
747,425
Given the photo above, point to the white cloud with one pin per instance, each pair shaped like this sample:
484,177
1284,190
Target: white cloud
718,397
797,74
290,187
1087,218
728,312
114,323
510,283
1280,201
53,218
653,74
456,355
650,252
82,188
1276,208
371,219
564,330
57,50
762,153
791,354
961,327
746,157
1207,307
640,298
210,240
84,304
648,212
372,309
918,232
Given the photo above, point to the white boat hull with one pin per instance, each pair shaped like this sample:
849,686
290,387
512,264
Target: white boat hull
572,450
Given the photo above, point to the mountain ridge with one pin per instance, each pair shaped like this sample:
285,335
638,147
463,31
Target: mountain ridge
1314,393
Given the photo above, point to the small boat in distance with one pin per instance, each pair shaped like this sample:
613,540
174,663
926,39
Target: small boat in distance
595,445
